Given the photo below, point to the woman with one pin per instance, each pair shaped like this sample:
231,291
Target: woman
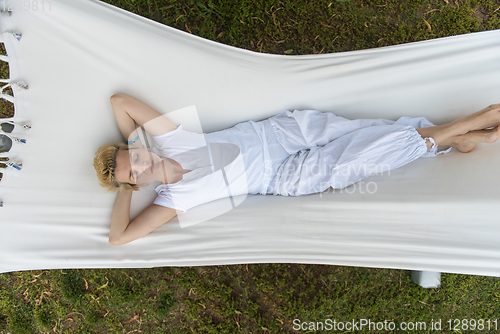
290,154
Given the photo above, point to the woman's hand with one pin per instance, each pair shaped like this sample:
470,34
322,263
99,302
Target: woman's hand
137,145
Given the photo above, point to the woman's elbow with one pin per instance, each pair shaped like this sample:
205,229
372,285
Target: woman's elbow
114,242
116,98
119,242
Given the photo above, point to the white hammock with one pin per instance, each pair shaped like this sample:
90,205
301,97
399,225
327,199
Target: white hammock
438,214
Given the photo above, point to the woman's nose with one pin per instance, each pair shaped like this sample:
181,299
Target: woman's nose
143,165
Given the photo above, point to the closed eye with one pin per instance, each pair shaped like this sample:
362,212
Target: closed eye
136,174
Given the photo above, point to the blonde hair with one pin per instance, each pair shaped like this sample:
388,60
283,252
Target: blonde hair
105,166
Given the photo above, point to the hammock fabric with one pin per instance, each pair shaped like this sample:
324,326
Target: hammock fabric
438,214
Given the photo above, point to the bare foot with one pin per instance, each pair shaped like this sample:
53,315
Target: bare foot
466,142
488,117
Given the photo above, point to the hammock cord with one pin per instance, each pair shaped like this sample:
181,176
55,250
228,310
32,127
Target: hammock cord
6,159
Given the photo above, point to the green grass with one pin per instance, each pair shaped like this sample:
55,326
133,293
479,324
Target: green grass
260,298
231,299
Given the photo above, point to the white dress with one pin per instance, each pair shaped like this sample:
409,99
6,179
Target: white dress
290,154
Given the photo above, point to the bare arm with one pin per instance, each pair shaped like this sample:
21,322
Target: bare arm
122,232
129,110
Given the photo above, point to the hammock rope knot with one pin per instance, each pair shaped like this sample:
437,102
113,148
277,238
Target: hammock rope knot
22,85
13,163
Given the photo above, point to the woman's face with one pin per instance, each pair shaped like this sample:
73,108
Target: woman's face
138,166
